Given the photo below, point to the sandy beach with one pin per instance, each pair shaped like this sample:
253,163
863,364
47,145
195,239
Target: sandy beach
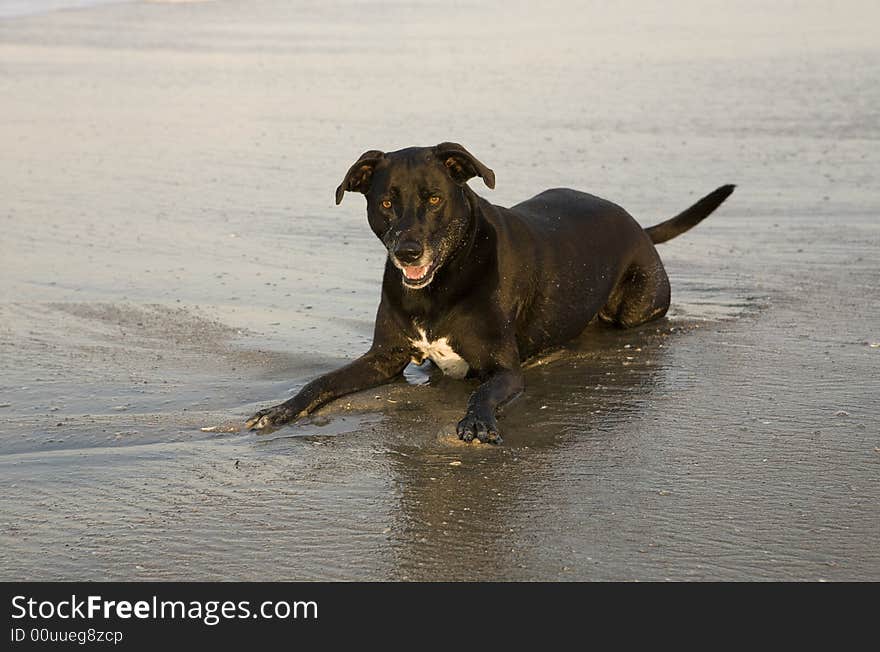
171,260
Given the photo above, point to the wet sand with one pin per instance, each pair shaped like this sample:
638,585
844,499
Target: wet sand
171,259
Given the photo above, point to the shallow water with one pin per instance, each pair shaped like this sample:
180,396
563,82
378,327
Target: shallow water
171,259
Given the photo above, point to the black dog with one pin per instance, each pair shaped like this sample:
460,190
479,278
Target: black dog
477,288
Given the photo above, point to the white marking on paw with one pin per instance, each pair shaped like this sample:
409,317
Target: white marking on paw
441,354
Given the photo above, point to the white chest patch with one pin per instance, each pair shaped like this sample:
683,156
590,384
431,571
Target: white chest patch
441,354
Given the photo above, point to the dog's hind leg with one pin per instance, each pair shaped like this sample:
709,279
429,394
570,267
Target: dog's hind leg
642,294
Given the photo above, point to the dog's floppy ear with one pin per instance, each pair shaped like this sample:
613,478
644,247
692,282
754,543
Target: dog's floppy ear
463,165
357,179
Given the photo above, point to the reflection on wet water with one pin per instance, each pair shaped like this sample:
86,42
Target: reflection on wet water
461,505
173,261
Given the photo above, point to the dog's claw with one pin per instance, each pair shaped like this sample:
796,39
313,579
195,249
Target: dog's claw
495,438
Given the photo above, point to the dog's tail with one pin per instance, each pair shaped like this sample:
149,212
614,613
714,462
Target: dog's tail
689,217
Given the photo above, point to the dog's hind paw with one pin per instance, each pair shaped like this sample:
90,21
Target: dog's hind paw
483,428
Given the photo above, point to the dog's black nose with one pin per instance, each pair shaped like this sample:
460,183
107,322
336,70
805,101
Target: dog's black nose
408,251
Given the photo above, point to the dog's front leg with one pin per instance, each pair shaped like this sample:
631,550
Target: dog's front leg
503,385
377,366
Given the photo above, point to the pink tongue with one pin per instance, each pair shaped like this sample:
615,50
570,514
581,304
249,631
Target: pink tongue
414,273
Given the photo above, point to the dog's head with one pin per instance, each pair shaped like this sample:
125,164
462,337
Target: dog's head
417,204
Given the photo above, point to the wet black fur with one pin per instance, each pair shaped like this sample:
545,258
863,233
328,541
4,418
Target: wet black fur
509,282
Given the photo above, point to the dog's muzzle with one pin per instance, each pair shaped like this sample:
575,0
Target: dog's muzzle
411,258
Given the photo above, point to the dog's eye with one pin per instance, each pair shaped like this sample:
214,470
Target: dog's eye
386,203
434,200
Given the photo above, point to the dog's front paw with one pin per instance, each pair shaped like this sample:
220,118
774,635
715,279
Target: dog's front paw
482,426
271,417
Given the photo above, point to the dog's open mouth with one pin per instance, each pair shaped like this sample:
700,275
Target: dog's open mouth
417,276
416,273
